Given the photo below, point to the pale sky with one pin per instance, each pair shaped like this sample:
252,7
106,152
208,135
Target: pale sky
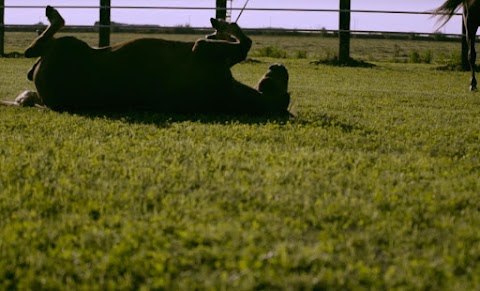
305,20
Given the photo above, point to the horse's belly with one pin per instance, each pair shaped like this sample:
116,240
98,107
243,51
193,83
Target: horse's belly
154,76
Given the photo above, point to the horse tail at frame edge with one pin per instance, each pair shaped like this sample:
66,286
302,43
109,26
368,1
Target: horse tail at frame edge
448,9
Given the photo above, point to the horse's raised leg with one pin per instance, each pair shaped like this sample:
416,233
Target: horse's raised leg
37,49
39,45
472,54
229,43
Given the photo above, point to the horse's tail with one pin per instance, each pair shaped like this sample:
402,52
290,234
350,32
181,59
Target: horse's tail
447,10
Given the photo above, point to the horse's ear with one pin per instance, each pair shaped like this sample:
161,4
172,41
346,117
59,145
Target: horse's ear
214,22
219,24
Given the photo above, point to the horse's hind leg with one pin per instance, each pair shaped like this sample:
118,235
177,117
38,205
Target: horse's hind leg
29,99
25,99
39,45
472,54
56,21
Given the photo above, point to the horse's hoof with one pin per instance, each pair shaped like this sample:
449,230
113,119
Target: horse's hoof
473,89
28,98
54,16
49,10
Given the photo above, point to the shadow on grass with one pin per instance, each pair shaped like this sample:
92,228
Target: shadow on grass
252,61
349,63
165,119
12,55
327,121
455,67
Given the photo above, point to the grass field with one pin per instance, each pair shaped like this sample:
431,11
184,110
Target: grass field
374,185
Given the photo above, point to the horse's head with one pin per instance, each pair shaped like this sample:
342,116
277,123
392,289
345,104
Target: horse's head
274,84
275,80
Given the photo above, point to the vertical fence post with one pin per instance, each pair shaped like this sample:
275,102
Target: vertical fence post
344,35
465,63
104,31
221,11
2,28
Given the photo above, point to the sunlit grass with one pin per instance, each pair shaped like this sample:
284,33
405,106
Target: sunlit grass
374,185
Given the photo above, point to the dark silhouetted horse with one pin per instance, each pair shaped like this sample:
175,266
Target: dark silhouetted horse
471,21
154,74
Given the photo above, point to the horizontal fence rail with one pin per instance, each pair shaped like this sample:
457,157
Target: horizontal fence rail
107,27
233,9
246,9
96,7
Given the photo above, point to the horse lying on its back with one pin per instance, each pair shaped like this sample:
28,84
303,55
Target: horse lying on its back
160,75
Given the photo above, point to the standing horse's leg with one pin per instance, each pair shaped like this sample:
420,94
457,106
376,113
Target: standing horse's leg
39,45
471,29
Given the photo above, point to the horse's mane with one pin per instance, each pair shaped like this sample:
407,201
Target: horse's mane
448,9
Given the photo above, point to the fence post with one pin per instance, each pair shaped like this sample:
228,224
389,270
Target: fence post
465,63
344,34
2,28
221,11
104,31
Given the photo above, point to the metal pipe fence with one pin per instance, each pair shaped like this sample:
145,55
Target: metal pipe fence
104,27
233,8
